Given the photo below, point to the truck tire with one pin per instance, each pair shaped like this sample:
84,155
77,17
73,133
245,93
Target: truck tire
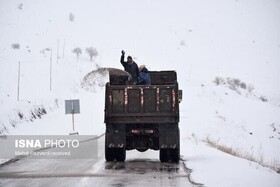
112,154
164,155
175,155
176,152
120,155
109,154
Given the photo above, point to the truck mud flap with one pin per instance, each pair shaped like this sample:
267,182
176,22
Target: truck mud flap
115,136
169,136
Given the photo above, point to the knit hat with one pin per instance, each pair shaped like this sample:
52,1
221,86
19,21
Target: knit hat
142,66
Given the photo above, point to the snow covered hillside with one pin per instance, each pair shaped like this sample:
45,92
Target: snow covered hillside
226,54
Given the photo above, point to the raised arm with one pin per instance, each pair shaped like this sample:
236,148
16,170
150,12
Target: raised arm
122,59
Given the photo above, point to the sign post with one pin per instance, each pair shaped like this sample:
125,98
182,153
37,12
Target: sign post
72,107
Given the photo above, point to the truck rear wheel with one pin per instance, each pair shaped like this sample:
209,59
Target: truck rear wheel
120,155
164,155
117,154
109,154
175,155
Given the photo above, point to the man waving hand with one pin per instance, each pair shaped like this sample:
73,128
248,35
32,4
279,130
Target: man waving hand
131,67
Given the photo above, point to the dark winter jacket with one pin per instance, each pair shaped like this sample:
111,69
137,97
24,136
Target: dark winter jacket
144,77
132,69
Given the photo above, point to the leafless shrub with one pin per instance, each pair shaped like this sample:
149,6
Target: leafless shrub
232,87
275,165
20,6
13,122
15,46
40,111
233,83
220,116
20,115
183,43
250,88
243,85
4,130
224,149
263,98
219,81
71,17
236,82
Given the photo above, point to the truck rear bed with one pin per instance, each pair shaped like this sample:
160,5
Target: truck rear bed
141,104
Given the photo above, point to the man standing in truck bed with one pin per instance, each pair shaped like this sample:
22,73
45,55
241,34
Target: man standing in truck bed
131,67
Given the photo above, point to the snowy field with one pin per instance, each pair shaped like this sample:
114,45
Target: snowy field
226,54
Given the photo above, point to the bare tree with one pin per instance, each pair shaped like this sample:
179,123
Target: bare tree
92,52
250,88
77,51
71,16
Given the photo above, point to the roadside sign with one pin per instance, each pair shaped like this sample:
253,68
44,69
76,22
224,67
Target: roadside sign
72,106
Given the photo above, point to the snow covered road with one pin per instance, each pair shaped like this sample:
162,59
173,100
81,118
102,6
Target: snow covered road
140,169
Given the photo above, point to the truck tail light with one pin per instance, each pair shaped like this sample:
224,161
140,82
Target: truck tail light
135,131
149,131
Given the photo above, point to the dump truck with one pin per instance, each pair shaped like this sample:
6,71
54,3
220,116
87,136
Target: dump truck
143,117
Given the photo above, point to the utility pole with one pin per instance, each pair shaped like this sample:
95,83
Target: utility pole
18,80
51,71
57,51
63,49
190,72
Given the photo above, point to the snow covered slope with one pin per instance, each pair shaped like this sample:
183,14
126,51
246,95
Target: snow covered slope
203,41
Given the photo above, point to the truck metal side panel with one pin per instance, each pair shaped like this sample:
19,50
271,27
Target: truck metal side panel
133,104
117,101
150,98
142,104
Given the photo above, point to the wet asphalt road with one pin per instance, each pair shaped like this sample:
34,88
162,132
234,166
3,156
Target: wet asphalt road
139,169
